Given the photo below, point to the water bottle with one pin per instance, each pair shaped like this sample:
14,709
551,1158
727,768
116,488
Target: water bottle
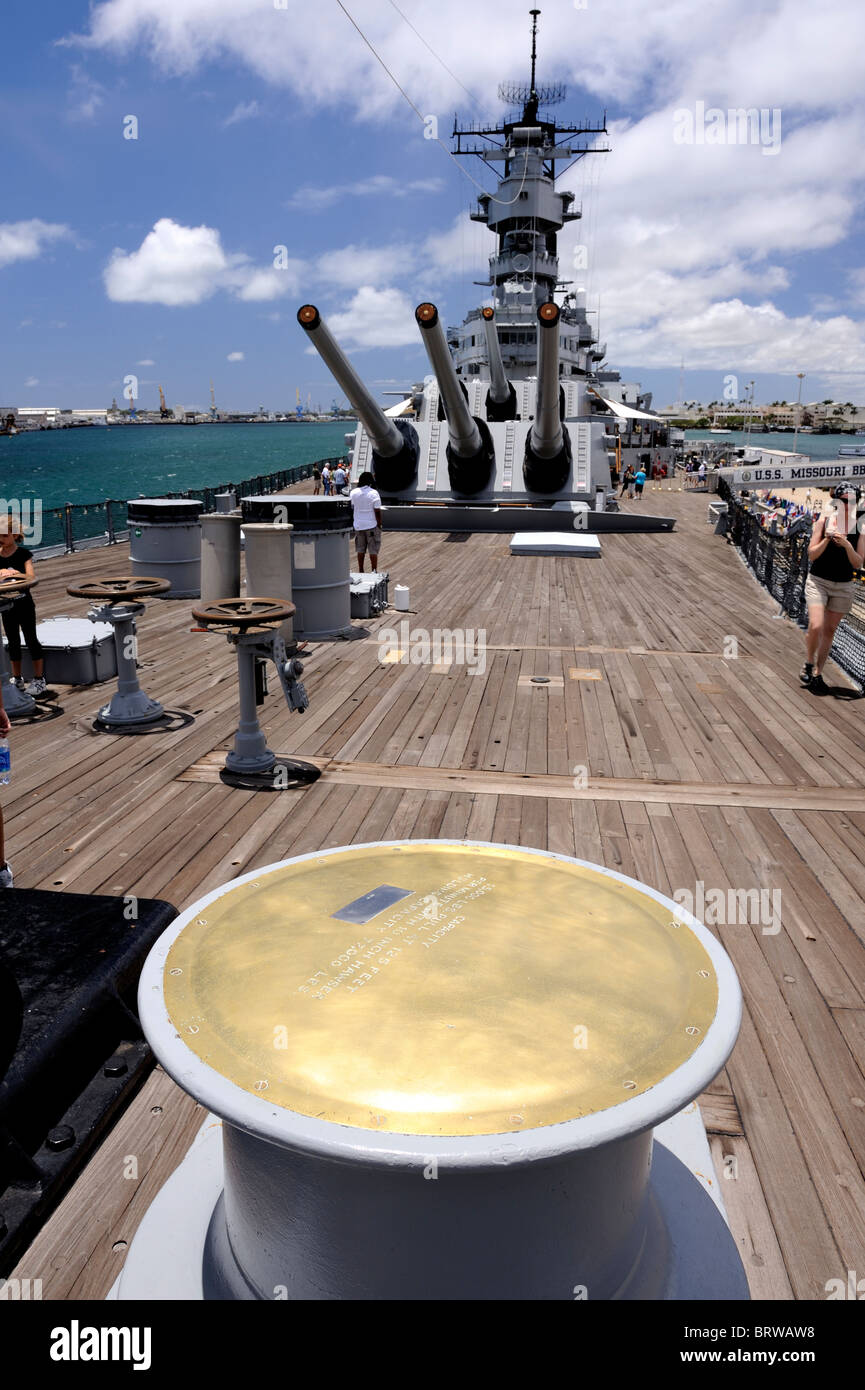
4,762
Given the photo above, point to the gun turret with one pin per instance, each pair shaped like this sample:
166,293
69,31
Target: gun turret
470,452
394,442
501,400
547,464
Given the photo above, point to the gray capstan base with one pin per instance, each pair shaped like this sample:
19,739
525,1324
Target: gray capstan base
513,518
124,710
182,1250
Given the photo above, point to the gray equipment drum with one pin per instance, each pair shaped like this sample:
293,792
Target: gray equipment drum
165,542
320,563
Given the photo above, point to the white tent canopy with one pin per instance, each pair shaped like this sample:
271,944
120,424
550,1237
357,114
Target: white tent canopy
626,412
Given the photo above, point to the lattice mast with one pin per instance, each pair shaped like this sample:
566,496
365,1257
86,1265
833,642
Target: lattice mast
527,212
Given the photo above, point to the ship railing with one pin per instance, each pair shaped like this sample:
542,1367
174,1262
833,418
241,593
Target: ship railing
85,525
780,564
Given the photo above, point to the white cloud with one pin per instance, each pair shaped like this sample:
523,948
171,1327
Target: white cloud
32,381
856,279
689,245
85,95
235,357
243,111
179,265
376,318
353,266
268,282
146,362
463,249
764,56
24,241
173,265
312,198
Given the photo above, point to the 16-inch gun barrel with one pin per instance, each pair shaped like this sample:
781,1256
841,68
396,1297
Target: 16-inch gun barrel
464,434
386,438
546,437
394,443
470,453
500,387
547,464
501,400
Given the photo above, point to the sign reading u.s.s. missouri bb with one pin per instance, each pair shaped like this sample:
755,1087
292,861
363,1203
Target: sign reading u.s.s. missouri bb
806,474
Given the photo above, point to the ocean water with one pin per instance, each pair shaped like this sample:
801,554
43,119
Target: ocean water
94,463
86,466
815,446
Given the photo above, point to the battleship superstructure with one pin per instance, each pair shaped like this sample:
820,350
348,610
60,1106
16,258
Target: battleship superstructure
519,408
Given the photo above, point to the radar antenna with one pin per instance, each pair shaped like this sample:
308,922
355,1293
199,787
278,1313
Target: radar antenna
534,14
531,97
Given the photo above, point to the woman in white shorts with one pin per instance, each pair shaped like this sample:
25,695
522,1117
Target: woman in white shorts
836,553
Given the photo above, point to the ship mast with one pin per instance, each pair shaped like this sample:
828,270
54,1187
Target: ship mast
527,212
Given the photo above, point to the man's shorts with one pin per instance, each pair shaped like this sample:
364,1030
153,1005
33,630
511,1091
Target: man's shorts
368,541
834,595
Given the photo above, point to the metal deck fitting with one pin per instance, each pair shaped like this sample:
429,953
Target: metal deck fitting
464,1046
252,626
118,600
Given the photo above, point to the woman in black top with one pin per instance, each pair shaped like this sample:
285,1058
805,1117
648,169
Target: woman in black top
16,559
834,558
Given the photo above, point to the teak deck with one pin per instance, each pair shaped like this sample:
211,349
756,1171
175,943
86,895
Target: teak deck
672,743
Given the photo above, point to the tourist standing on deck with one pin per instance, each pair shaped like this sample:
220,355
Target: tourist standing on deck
835,555
366,507
316,479
16,560
340,479
639,480
628,481
325,479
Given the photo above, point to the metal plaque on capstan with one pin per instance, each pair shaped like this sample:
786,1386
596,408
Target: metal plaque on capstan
508,991
362,910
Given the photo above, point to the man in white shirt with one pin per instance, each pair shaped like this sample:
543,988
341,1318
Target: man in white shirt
366,508
340,478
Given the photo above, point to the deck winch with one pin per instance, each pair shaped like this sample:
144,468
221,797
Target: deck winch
439,1067
119,600
17,703
252,626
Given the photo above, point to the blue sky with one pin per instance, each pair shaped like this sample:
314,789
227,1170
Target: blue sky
261,127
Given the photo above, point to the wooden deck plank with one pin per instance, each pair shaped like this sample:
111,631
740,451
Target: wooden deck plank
74,1254
749,781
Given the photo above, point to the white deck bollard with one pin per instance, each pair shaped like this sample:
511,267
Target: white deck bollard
439,1066
401,598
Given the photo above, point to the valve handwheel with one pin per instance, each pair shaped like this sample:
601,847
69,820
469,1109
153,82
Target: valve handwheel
120,588
244,612
10,587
